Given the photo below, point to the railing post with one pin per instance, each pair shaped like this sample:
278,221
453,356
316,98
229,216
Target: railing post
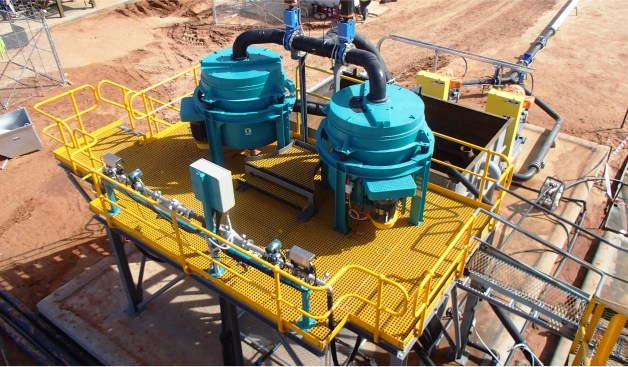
589,332
278,300
606,346
148,120
177,234
378,310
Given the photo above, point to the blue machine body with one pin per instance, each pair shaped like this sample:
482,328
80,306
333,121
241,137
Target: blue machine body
245,104
384,149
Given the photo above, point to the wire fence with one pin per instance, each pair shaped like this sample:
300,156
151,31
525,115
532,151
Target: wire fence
30,64
259,13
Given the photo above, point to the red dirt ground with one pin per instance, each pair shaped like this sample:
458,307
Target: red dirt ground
47,236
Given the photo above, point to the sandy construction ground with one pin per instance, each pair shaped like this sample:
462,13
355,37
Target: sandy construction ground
47,235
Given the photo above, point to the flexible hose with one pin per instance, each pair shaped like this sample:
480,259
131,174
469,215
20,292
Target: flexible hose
332,344
535,165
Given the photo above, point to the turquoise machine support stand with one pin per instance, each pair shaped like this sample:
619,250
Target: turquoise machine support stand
213,187
375,153
240,104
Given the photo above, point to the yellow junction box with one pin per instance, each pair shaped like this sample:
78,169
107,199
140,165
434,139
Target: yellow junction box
434,85
510,105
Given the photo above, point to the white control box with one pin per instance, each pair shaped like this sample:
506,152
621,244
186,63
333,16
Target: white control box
212,185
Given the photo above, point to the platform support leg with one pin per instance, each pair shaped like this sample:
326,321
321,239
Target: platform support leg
465,330
214,138
230,335
117,247
421,178
341,218
396,361
291,352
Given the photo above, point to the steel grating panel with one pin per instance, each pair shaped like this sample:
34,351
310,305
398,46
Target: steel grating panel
297,164
527,286
403,253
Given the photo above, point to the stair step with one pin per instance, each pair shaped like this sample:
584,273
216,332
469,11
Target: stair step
543,293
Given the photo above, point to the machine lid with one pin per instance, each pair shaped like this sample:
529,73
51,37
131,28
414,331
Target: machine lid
352,113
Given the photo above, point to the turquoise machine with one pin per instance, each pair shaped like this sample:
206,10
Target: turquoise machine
375,154
240,104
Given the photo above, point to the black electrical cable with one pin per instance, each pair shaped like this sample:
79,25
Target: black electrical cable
331,326
561,223
594,179
354,352
332,343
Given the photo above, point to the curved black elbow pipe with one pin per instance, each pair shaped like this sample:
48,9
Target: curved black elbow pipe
456,176
375,71
312,108
255,36
535,165
319,47
363,43
365,59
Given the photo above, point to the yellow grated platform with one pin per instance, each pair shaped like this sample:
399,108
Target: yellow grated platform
403,253
296,164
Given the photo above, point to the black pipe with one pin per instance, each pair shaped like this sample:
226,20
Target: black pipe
535,165
514,333
456,176
346,9
484,350
375,71
38,356
354,352
253,37
538,46
312,108
425,358
44,326
331,325
31,330
361,43
319,47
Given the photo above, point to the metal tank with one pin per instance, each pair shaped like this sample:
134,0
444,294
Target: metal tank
375,154
240,104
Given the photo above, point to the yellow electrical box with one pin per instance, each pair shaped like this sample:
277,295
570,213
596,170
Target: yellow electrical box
510,105
434,85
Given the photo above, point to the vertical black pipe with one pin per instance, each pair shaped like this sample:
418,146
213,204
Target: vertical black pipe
304,129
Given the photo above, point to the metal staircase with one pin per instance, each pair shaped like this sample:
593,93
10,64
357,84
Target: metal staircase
490,270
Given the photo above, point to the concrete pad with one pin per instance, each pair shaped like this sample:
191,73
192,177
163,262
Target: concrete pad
80,9
180,327
377,11
571,159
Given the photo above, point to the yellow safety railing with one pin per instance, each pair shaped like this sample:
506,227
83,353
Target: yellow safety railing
606,319
148,102
125,101
80,142
69,141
